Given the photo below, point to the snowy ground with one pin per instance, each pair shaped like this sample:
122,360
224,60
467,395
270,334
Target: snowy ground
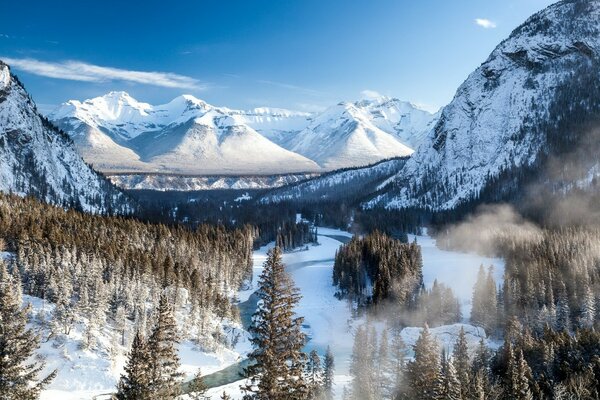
456,270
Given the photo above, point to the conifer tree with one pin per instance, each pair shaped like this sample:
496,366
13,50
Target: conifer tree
424,369
164,361
18,374
197,388
328,375
277,372
225,396
460,360
135,383
314,374
362,365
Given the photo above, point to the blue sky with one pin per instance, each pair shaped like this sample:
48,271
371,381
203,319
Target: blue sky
303,54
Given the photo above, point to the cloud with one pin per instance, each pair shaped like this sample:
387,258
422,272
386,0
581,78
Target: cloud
81,71
371,94
485,23
310,92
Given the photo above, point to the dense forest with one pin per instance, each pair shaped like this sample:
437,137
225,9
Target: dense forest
544,315
99,270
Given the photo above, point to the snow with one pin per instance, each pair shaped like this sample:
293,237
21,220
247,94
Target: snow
480,133
23,132
4,76
328,321
455,269
117,133
446,336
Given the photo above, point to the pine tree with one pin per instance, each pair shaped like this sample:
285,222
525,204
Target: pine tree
277,372
18,375
314,374
460,359
422,372
362,366
197,388
225,396
328,375
135,383
398,353
588,308
164,361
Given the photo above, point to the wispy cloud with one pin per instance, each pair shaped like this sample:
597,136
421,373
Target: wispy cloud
485,23
81,71
371,94
310,92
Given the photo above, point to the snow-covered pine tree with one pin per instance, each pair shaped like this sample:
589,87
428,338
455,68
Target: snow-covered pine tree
314,375
362,365
422,372
398,354
225,396
328,375
462,363
277,372
135,383
18,374
165,380
197,388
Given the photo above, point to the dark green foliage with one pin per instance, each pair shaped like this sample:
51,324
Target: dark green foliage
392,268
277,364
18,373
135,382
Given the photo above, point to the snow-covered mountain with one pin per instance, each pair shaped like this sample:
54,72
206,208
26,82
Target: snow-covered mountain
37,159
117,133
346,135
516,110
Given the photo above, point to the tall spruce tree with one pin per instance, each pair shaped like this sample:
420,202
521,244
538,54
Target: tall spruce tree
462,363
135,383
18,375
165,380
197,388
278,363
424,369
362,366
328,375
314,375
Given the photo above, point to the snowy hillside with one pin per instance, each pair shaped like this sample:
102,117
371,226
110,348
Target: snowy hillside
36,159
117,134
345,135
346,183
188,183
500,117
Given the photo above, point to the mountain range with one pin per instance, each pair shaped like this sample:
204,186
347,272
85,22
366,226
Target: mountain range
187,136
522,127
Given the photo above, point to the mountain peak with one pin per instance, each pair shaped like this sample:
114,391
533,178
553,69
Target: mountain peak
4,75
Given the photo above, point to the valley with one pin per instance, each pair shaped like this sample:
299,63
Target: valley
170,233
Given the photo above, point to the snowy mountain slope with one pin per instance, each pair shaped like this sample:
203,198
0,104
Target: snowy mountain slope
345,136
117,133
188,183
36,159
216,143
346,183
407,122
500,116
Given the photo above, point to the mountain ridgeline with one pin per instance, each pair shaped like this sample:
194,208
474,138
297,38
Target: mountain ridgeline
118,134
37,159
528,115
